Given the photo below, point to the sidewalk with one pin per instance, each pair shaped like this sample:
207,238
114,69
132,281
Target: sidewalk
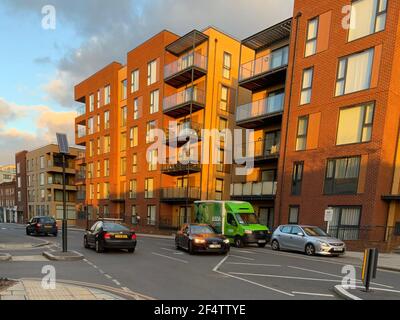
387,261
32,290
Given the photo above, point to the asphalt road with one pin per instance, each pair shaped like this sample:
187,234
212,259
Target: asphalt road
159,271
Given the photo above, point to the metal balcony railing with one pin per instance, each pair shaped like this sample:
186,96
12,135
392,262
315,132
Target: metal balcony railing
264,64
184,97
180,193
262,149
254,189
187,61
184,129
271,105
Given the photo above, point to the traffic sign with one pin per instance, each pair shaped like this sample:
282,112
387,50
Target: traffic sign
329,215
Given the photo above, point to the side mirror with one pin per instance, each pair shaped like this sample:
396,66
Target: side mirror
301,234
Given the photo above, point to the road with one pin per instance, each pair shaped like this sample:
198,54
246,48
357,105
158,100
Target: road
157,270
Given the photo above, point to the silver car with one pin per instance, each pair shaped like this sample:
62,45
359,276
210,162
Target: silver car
309,239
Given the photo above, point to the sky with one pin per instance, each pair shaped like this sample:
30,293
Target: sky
40,66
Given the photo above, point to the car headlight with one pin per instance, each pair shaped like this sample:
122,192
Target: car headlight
324,244
248,232
197,240
226,241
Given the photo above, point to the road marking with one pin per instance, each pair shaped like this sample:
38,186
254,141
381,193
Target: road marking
116,282
284,277
101,271
108,276
167,257
126,289
244,251
313,294
220,263
254,264
240,257
173,251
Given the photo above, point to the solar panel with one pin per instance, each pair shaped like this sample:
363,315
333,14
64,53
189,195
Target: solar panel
62,143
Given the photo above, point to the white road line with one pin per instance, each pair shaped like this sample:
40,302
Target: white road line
244,251
173,251
284,277
167,257
336,276
240,257
254,264
116,282
108,276
313,294
220,263
101,271
126,289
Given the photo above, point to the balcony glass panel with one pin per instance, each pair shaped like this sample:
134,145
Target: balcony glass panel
189,60
185,96
270,105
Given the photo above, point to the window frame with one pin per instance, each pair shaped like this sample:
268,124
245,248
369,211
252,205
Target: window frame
289,216
135,86
333,179
297,182
227,68
306,89
301,136
311,39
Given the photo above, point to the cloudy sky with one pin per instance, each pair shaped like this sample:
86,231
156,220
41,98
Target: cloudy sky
39,67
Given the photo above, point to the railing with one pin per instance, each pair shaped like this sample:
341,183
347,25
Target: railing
254,189
180,193
183,97
270,105
81,131
261,148
365,233
181,167
81,110
264,64
184,62
184,129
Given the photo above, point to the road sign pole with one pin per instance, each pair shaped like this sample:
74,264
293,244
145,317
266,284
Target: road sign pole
64,222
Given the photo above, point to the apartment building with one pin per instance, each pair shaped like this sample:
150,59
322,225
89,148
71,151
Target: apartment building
7,202
262,77
190,80
44,182
21,188
339,146
7,173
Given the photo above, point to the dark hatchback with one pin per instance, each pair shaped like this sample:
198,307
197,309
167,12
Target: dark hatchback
112,234
201,238
42,225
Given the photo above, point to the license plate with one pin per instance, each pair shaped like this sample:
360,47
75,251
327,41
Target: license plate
215,246
338,249
121,236
262,241
48,227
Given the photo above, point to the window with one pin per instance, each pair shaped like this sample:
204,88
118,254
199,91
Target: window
220,165
355,124
107,168
90,169
302,128
150,135
367,17
134,81
136,109
227,65
297,178
41,177
91,148
124,116
98,169
91,103
106,190
224,98
345,223
154,101
306,87
294,214
107,120
124,89
354,72
219,189
312,33
98,123
123,141
151,215
134,215
152,161
133,137
42,162
272,143
107,144
123,167
107,95
148,188
132,189
98,99
342,176
98,146
90,126
91,192
152,72
98,191
134,163
279,57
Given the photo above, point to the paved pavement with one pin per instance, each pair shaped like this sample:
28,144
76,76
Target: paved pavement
386,261
157,270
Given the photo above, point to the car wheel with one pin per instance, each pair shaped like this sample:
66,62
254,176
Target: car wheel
275,245
132,250
239,242
310,249
261,245
55,234
99,247
86,243
177,245
27,232
190,248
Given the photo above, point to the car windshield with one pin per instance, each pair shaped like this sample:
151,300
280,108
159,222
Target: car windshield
315,232
247,218
47,220
202,230
115,227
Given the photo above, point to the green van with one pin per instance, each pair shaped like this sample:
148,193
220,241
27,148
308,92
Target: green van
236,220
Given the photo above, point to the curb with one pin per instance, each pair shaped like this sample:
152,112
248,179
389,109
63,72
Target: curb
344,294
41,244
5,257
394,269
157,236
74,256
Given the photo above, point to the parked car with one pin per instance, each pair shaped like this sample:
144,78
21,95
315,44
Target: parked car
195,237
42,225
110,234
308,239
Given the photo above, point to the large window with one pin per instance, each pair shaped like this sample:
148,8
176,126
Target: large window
224,98
152,72
106,190
133,137
107,95
91,103
136,106
134,81
154,101
367,17
151,215
294,212
345,223
312,34
132,189
123,141
134,163
306,87
123,167
124,116
219,189
355,124
107,120
149,188
152,161
124,89
297,178
150,135
354,72
90,126
106,168
342,176
302,128
227,65
107,144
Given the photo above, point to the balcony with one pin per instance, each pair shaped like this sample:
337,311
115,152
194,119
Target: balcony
180,195
81,110
180,104
179,73
265,71
183,132
180,169
253,191
260,113
263,151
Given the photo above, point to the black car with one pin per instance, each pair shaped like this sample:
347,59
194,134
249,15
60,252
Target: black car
42,225
195,237
110,234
